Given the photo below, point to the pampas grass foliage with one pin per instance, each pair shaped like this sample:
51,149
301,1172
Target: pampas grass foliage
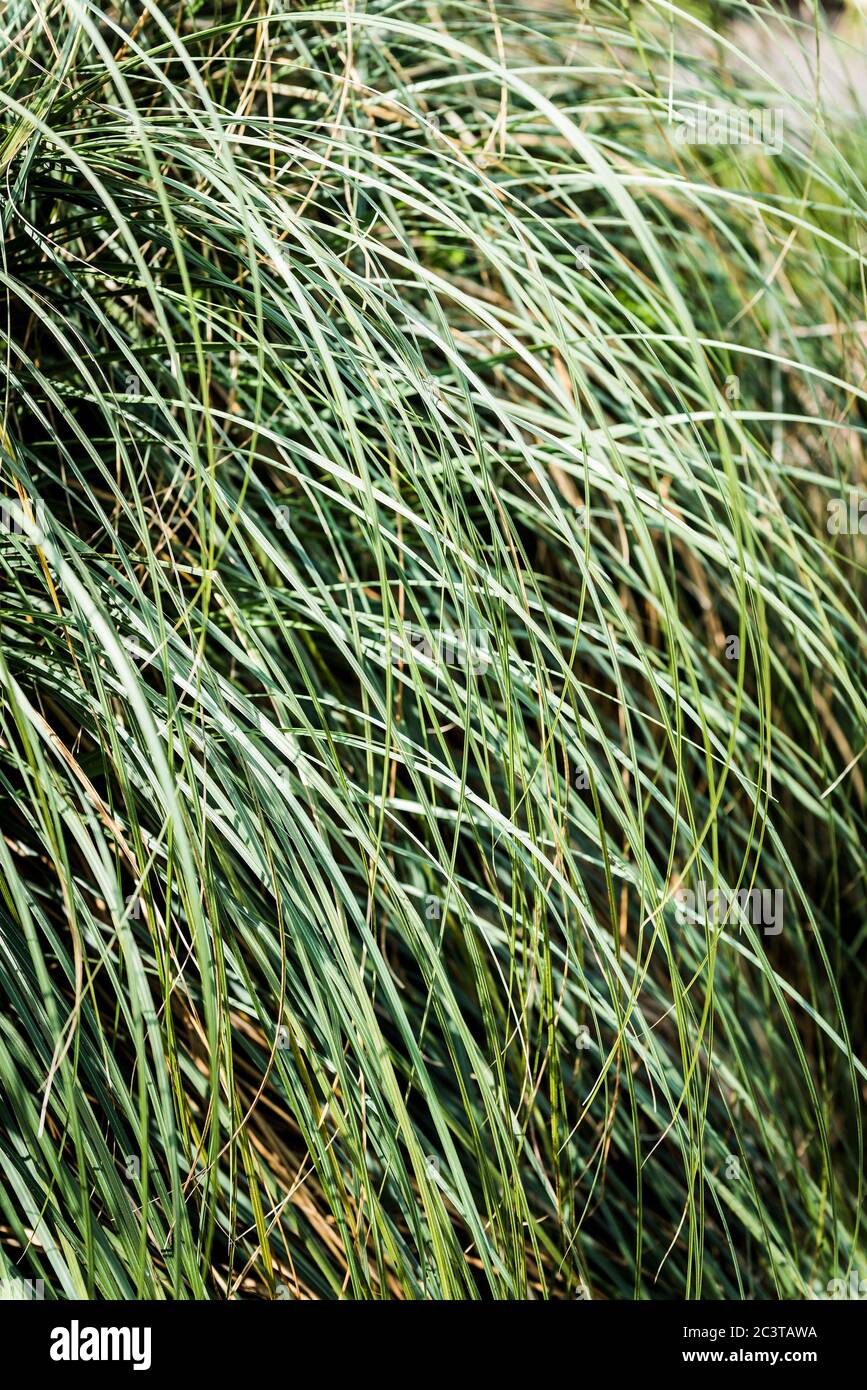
416,469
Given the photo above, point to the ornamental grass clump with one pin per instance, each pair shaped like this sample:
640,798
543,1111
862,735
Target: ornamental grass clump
422,573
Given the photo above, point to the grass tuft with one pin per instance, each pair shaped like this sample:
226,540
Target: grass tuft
433,543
